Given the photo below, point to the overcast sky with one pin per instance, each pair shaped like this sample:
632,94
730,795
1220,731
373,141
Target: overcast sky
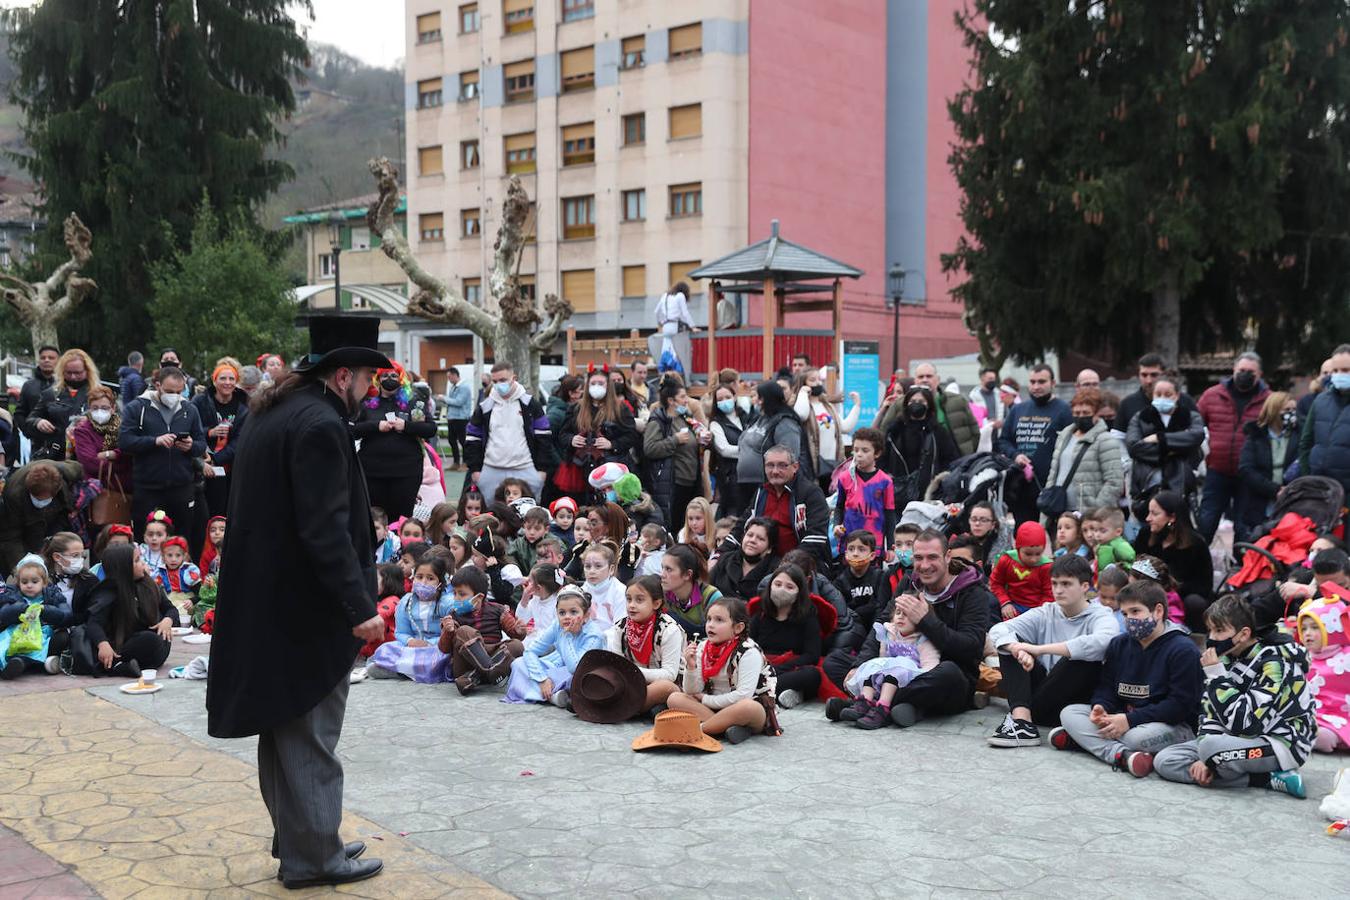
353,25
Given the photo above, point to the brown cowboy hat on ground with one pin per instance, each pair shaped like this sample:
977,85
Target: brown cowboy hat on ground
677,729
607,688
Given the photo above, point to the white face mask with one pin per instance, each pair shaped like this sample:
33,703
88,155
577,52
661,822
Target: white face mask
100,416
597,391
73,566
171,401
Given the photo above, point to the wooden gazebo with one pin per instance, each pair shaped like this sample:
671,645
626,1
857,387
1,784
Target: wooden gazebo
786,275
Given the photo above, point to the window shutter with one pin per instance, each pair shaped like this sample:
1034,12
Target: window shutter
431,22
687,40
578,63
686,121
635,281
345,237
510,6
430,161
524,67
431,85
635,44
679,271
578,288
524,141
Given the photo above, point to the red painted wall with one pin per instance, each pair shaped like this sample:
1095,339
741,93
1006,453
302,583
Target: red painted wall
818,142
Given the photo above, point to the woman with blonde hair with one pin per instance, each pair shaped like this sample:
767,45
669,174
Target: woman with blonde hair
62,403
1266,459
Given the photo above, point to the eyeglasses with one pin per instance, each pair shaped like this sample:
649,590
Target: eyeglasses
777,465
981,520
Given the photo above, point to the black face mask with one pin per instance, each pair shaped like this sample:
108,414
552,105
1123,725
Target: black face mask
1223,647
389,384
1084,423
917,411
989,385
818,390
76,382
1244,381
167,363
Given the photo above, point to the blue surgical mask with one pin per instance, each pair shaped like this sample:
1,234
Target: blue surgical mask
905,557
682,410
1164,405
41,504
611,496
1139,629
460,607
1340,381
503,388
424,591
726,406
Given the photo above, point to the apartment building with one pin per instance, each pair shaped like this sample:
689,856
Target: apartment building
654,137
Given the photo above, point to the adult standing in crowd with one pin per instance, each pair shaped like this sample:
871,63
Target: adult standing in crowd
1227,408
1269,453
43,377
458,409
1149,369
1098,479
953,411
672,449
163,434
728,423
273,367
823,425
917,446
1316,385
641,386
986,394
130,381
509,436
1163,441
39,499
222,411
95,439
301,537
61,403
775,426
599,429
391,428
1028,437
1324,445
168,359
1169,535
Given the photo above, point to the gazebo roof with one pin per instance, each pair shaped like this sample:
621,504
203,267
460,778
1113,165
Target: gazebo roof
778,259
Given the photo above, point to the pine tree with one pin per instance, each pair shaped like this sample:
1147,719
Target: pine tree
133,109
1142,175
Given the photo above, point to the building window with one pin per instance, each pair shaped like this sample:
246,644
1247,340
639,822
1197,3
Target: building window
635,205
634,129
526,288
519,15
519,153
679,271
468,155
686,41
431,226
635,281
473,290
468,85
429,161
531,226
578,288
468,18
579,217
325,264
359,238
578,69
470,225
519,80
578,144
686,121
686,200
429,28
634,52
572,10
429,92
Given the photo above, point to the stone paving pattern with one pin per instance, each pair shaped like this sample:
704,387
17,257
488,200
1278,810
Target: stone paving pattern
825,810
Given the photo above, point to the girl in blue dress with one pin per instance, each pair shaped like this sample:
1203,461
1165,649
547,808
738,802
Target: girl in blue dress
543,674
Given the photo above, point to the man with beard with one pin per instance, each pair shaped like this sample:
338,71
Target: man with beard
301,543
1028,437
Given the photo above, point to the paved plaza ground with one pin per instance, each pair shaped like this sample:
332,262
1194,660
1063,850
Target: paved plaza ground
112,795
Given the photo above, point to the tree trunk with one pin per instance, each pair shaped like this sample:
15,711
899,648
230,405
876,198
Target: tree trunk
43,330
1167,320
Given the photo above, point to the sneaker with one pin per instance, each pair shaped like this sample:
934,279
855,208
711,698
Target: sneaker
1288,781
1015,733
1061,740
53,665
1136,762
878,716
735,734
834,706
980,700
905,714
561,699
855,710
790,698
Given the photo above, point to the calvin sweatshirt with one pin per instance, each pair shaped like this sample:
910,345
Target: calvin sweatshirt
1158,683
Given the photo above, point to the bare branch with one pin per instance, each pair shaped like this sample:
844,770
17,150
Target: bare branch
78,240
510,240
558,311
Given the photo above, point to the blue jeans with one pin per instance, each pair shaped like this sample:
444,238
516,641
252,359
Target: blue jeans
1219,497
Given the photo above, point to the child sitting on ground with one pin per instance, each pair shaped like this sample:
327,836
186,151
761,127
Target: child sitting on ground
1069,535
410,530
1151,568
29,609
1109,583
158,528
512,489
697,520
786,627
1257,723
650,639
409,556
473,634
564,512
606,591
524,549
902,554
1021,577
865,496
386,542
865,587
391,590
180,579
721,531
1148,697
539,599
893,654
1324,628
1104,533
487,552
654,541
110,536
727,683
471,504
417,630
543,673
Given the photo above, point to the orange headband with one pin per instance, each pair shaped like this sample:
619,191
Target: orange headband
221,368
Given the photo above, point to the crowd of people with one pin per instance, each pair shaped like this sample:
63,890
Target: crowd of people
754,548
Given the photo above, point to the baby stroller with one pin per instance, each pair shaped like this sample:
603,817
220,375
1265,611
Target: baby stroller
1316,498
977,478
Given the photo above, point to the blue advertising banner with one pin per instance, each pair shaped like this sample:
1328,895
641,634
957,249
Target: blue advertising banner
860,370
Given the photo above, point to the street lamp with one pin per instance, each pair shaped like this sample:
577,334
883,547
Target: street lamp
895,280
335,222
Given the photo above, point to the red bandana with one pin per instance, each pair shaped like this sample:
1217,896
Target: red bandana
641,639
715,657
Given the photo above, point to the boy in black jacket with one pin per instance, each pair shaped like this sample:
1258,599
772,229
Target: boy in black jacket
865,586
1149,694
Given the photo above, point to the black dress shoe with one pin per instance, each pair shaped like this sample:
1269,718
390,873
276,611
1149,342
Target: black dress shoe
352,851
359,870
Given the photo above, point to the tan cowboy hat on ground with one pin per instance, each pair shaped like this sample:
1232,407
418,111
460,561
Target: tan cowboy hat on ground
677,729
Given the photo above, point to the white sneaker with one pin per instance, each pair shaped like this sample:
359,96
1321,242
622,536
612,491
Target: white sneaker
358,675
789,698
53,665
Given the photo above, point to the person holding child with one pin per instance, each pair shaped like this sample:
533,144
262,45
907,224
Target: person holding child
650,639
891,656
1257,719
727,683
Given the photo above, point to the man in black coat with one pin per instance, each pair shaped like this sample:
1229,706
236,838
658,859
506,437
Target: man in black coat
44,376
297,597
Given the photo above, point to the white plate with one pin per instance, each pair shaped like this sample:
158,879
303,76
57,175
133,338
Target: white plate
149,689
197,639
180,631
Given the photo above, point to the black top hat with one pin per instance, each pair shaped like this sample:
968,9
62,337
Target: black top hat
607,688
351,341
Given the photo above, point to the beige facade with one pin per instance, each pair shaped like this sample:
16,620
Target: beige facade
361,261
572,132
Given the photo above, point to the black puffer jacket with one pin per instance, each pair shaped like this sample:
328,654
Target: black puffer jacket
59,409
916,449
